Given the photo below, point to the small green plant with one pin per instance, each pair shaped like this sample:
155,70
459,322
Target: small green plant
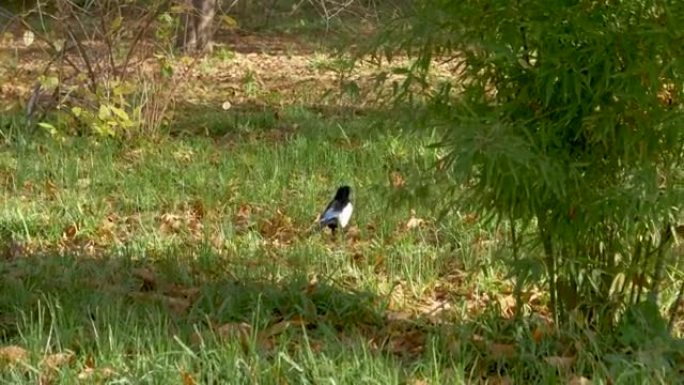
102,89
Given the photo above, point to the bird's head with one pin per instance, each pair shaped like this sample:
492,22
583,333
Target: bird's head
343,193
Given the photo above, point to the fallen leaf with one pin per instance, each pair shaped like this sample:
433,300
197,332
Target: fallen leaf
242,217
561,363
177,306
311,286
507,305
410,342
241,330
70,231
499,380
57,360
197,210
187,378
170,223
397,179
498,350
397,316
14,250
414,222
148,277
579,380
538,334
353,234
275,329
99,373
189,293
28,38
470,218
89,362
13,354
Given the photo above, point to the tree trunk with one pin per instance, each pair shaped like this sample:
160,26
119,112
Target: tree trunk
197,26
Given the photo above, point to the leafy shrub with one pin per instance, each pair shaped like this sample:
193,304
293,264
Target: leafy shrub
566,116
99,72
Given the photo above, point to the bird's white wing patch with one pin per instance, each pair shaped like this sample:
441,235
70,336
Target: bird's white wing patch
344,216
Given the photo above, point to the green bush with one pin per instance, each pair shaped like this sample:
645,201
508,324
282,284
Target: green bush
563,118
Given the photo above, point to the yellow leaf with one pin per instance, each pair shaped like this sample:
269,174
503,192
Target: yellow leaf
52,130
104,112
121,114
116,24
228,21
49,82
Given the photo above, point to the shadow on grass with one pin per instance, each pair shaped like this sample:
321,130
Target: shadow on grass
121,306
124,306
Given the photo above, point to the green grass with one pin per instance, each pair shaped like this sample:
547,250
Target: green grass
224,221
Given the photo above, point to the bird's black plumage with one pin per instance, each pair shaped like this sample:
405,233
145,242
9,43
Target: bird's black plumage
338,211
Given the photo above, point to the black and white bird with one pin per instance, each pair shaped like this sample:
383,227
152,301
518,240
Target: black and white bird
339,210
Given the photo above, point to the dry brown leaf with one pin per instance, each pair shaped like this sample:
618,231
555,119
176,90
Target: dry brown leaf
433,308
470,218
507,305
499,380
579,380
51,188
561,363
243,217
397,316
538,334
89,362
14,250
241,330
184,155
353,234
275,329
57,360
170,223
89,373
189,293
177,305
13,354
187,378
148,277
70,231
410,342
414,222
498,350
397,179
278,228
311,286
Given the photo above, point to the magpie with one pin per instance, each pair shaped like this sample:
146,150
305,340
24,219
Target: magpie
338,211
